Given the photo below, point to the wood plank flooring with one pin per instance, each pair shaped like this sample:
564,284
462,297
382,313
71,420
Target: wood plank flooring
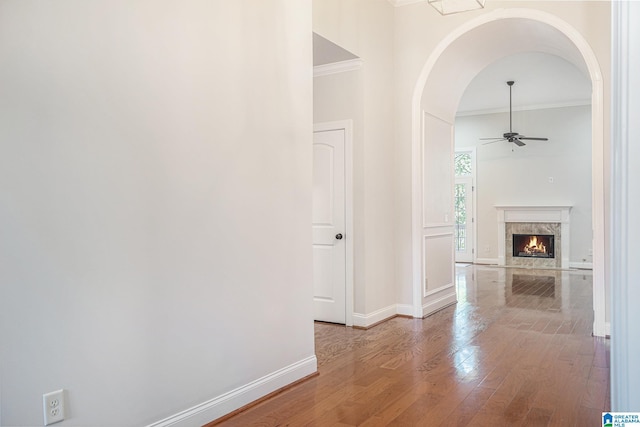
516,350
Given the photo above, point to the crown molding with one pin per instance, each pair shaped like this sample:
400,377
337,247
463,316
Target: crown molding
337,67
525,108
398,3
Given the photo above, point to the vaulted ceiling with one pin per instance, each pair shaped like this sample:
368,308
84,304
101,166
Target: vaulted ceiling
541,80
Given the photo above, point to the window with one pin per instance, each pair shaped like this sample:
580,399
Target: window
463,206
463,163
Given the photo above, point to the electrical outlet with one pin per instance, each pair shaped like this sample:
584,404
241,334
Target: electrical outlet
53,405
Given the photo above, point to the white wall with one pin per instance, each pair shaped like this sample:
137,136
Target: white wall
155,204
365,28
511,175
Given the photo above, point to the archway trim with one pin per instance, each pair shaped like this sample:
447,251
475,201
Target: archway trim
597,146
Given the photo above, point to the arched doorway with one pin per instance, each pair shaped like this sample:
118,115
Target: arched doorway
444,77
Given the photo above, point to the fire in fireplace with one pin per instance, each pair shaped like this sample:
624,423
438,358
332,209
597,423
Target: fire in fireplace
533,246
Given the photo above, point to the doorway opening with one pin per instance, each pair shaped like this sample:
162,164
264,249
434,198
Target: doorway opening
463,53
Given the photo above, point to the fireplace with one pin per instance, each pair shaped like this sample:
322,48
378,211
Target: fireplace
533,246
538,221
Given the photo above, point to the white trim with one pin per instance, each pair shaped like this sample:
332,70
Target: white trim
225,403
337,67
623,330
581,265
347,126
486,261
525,108
441,289
598,208
436,225
428,235
597,113
607,329
404,310
438,299
366,320
398,3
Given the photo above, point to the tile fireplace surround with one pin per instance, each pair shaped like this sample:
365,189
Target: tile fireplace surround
534,220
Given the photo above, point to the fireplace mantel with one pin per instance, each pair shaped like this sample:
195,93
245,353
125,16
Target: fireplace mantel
535,214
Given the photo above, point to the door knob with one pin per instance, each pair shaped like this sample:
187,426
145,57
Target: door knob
339,236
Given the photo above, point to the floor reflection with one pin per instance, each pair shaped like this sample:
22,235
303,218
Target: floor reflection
525,284
541,290
542,301
515,350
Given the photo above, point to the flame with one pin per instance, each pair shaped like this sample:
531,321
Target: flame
535,247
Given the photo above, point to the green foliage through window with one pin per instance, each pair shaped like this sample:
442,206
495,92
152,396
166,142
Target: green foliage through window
461,217
463,164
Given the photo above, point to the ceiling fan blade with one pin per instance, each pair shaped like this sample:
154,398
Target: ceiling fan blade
512,136
533,139
491,142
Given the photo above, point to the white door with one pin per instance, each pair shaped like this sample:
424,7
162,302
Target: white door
463,233
329,249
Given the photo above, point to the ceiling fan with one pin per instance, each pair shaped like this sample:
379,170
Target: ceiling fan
512,136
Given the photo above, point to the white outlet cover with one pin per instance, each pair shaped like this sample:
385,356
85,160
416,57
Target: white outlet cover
53,406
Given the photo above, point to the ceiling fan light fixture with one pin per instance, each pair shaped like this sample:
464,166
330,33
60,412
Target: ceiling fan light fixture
512,136
448,7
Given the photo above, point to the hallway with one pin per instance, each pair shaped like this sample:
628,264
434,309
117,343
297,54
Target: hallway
515,350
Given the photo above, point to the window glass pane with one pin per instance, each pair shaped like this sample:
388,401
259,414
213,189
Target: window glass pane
461,218
463,163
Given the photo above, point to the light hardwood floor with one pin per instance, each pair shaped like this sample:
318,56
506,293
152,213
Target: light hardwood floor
516,350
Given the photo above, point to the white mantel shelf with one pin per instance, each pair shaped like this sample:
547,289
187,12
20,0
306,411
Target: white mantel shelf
538,213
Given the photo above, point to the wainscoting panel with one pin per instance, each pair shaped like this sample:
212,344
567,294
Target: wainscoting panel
439,299
439,289
437,172
438,261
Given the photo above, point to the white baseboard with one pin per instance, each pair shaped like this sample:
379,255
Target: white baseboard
581,265
490,261
228,402
438,299
366,320
405,310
